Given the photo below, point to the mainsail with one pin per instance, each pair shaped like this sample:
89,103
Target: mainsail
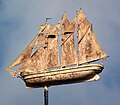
88,47
52,47
68,46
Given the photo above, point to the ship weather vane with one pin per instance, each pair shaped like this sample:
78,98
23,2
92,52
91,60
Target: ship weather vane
50,65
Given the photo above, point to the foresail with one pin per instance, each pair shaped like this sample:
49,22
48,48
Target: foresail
24,55
37,61
28,52
88,46
21,58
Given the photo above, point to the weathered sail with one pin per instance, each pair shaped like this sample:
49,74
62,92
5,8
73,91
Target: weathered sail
65,23
52,47
88,47
46,56
70,29
46,28
55,30
22,57
68,46
27,53
37,61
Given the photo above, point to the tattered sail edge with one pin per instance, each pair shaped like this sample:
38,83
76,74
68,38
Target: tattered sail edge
55,30
80,14
13,73
103,54
64,22
80,17
65,17
20,58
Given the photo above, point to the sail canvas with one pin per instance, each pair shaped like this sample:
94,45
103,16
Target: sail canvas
88,46
67,43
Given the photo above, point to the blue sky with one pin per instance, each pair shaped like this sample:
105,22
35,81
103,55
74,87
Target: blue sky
19,23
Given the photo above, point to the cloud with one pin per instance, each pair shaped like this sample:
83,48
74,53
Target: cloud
19,23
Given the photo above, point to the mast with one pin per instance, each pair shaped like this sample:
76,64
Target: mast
76,37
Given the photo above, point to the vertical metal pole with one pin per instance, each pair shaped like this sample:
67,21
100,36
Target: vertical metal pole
60,43
76,38
45,95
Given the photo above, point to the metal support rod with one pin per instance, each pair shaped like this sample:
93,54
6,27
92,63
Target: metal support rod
45,95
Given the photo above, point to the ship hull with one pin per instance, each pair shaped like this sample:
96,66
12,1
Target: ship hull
61,76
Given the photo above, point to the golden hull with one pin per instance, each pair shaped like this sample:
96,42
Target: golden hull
61,76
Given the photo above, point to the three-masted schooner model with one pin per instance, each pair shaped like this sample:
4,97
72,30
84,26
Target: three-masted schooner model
62,54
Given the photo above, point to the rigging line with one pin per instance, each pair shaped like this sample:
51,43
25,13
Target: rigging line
13,73
33,41
31,56
36,48
42,30
66,39
84,34
10,66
